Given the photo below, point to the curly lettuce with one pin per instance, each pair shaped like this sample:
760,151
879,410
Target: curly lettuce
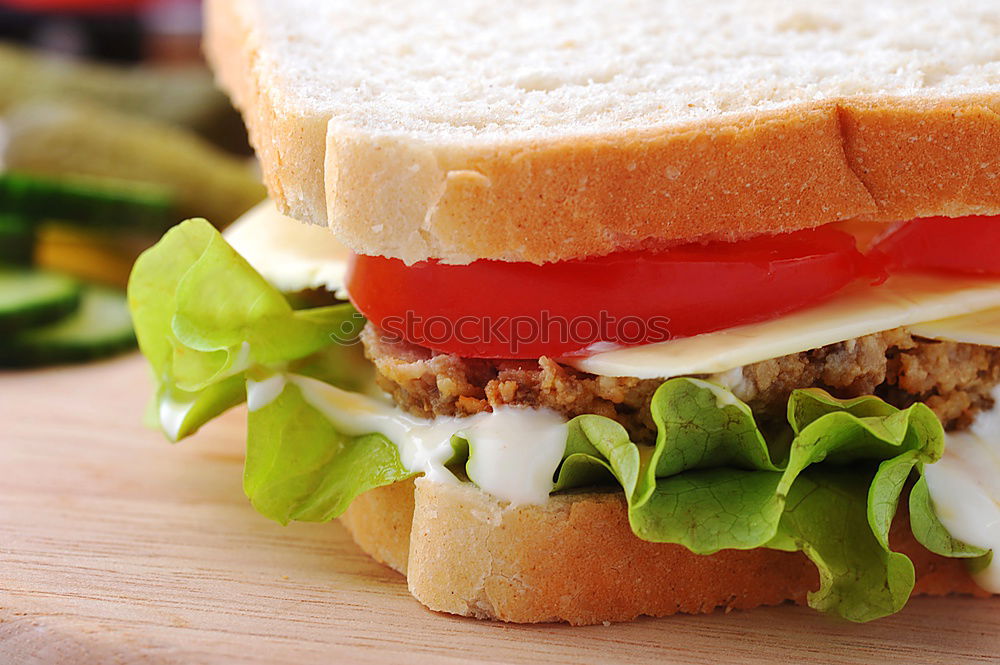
711,482
828,486
207,322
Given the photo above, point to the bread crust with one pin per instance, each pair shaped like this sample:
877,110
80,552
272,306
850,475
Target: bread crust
289,142
576,559
728,178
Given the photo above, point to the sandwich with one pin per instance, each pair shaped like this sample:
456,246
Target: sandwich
577,311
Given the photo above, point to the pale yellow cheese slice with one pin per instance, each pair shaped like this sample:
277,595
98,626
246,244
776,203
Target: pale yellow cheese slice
904,300
289,254
977,328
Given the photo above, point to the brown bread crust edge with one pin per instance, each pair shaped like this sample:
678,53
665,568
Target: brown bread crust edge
576,560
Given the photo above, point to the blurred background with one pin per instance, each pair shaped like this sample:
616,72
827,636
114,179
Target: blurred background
111,131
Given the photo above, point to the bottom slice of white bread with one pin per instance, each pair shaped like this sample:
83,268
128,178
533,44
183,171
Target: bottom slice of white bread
576,560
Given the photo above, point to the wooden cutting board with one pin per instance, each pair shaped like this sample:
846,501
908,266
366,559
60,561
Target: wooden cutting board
116,547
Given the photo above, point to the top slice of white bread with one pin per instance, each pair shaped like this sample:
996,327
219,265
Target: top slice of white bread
551,129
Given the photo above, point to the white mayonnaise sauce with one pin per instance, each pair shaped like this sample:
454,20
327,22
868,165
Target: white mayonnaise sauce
263,392
965,488
241,362
733,381
172,413
514,450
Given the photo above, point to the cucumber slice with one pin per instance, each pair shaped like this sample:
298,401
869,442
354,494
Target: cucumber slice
100,327
32,298
17,239
67,137
93,202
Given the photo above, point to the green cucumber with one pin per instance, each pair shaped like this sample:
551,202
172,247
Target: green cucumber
17,239
32,298
66,137
90,202
100,327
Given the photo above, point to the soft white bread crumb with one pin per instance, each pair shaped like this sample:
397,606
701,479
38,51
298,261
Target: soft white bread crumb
556,128
497,71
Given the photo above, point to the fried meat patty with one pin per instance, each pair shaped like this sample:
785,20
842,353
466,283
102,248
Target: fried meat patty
953,379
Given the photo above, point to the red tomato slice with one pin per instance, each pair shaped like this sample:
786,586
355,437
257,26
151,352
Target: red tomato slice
497,309
964,244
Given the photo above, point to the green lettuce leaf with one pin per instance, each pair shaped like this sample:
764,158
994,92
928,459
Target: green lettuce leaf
930,533
207,322
299,466
203,318
711,482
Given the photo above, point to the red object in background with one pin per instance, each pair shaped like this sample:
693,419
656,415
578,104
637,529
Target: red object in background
643,297
162,31
964,244
76,6
105,29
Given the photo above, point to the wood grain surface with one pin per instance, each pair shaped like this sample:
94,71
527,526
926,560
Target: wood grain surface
116,547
